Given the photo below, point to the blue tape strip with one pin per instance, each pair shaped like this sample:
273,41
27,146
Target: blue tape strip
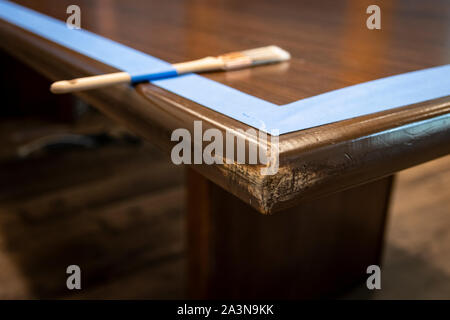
350,102
87,43
362,99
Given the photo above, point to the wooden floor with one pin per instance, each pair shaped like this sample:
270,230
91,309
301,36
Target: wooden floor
417,247
117,212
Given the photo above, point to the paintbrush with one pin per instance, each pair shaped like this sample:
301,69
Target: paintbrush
229,61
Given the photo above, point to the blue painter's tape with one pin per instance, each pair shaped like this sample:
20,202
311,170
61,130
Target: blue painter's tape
362,99
350,102
87,43
219,97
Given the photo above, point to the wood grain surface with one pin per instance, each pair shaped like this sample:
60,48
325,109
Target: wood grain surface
330,44
331,49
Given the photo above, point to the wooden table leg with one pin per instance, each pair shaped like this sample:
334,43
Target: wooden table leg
314,249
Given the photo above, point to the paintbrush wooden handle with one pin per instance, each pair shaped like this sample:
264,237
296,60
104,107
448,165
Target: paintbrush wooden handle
200,65
229,61
90,82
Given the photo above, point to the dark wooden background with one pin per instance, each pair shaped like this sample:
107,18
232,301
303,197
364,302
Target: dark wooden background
118,212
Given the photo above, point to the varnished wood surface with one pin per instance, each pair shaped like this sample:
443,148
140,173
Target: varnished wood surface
331,47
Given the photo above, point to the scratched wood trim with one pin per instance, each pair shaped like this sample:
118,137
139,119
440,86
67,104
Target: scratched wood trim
313,162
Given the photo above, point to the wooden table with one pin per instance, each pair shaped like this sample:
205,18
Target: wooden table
331,193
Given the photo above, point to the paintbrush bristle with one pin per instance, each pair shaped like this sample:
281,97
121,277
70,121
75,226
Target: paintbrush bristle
267,54
248,58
